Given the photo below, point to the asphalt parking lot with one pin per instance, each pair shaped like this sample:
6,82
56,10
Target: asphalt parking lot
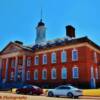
11,96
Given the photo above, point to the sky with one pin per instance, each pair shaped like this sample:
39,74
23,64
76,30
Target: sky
19,18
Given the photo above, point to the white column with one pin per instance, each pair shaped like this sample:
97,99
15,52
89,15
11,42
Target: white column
16,68
6,76
0,69
23,68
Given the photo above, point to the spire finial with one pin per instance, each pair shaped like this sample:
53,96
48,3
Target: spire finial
41,15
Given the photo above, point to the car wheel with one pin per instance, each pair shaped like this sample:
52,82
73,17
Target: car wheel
76,97
69,95
30,92
17,92
50,94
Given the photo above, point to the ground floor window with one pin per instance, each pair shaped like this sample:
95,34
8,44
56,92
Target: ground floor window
64,73
75,73
53,73
28,75
44,74
35,74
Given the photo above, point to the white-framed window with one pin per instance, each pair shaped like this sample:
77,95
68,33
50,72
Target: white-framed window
44,59
36,74
64,73
36,60
12,75
44,74
53,74
75,73
28,75
95,57
63,56
53,57
28,61
74,55
96,72
13,63
92,72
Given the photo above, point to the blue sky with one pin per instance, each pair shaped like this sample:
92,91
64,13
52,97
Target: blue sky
19,18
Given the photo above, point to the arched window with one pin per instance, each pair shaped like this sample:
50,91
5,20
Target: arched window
53,74
36,74
63,56
44,59
36,61
53,57
28,61
28,75
92,72
75,73
74,55
96,71
64,73
95,57
12,75
44,74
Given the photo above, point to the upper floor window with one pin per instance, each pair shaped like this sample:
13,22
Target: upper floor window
53,57
44,59
13,63
96,71
95,57
75,73
53,74
28,61
44,74
36,74
74,55
64,73
63,56
36,60
28,75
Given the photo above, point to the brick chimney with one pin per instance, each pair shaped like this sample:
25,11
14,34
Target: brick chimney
70,31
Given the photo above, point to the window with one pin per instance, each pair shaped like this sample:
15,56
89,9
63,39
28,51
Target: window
96,71
53,57
75,72
28,61
64,73
53,73
44,59
13,63
36,74
95,57
28,75
74,55
36,60
92,72
63,56
44,74
12,75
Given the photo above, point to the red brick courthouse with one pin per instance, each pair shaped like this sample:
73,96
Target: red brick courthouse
67,60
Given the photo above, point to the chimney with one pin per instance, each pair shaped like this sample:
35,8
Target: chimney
19,42
70,31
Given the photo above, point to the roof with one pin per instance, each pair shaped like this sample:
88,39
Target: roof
64,41
55,43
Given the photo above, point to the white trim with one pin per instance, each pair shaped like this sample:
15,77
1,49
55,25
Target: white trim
43,59
53,57
73,72
28,75
63,72
63,56
74,51
35,62
44,77
35,74
52,73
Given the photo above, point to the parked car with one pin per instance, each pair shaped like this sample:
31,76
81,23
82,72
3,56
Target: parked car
29,89
65,90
